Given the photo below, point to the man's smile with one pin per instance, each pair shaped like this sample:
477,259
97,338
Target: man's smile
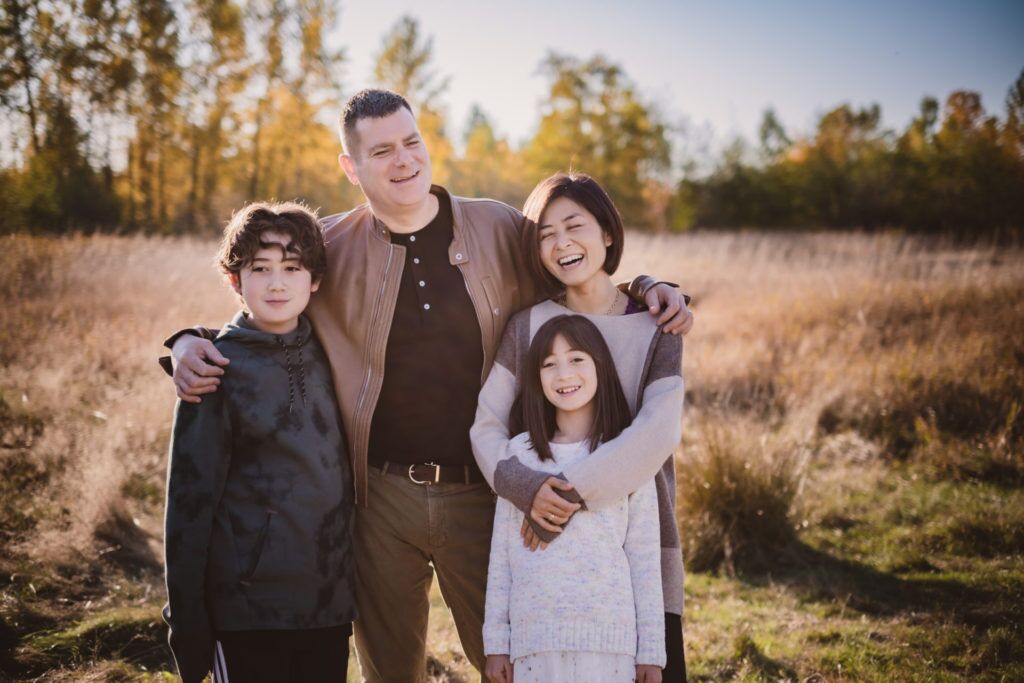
405,179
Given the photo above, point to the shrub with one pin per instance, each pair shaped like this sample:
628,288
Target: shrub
736,496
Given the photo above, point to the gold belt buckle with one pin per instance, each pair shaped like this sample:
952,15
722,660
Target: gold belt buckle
426,482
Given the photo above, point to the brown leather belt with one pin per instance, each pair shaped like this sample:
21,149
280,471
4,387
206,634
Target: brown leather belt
431,473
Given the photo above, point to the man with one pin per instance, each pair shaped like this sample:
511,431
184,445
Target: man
419,286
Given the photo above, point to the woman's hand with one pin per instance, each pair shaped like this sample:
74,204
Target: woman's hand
499,669
669,304
645,673
550,511
196,370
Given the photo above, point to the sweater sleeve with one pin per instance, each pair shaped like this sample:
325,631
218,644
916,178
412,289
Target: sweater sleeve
497,624
619,467
199,458
643,551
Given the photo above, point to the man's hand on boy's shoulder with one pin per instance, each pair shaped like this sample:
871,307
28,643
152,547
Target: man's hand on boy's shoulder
198,366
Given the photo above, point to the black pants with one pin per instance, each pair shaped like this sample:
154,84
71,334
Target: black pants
675,668
317,655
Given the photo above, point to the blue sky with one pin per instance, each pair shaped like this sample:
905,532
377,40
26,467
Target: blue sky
716,65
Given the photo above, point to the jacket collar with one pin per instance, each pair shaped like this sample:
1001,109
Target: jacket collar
458,253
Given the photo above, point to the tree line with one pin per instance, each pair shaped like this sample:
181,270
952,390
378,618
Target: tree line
164,116
955,170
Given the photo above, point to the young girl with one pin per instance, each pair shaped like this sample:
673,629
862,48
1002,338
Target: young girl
590,607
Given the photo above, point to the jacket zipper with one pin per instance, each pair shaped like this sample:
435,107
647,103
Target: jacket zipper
476,308
369,346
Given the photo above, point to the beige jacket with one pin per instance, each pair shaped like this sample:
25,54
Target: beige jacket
353,308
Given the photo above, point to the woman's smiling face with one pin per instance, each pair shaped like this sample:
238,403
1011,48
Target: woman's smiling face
572,243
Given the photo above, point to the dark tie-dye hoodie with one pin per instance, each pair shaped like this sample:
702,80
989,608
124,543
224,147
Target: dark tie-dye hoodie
259,498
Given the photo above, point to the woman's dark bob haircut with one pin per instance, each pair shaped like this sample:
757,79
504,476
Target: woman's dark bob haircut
533,413
588,193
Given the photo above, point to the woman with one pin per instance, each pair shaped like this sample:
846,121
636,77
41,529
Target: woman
573,242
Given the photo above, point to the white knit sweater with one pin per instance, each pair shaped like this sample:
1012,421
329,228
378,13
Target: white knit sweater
597,589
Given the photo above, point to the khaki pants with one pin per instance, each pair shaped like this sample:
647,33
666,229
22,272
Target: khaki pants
405,529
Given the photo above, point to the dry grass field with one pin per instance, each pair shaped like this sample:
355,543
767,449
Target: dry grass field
851,479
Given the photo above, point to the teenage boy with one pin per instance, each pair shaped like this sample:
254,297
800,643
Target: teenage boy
259,494
419,286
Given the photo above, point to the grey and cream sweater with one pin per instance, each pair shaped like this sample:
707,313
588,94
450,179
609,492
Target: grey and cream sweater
649,365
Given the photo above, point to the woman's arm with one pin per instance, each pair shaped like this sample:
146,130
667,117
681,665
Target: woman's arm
622,465
643,551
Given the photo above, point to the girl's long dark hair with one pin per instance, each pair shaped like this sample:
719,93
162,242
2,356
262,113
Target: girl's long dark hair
533,413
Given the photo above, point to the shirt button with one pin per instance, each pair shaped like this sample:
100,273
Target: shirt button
426,307
496,311
458,257
416,260
412,238
422,283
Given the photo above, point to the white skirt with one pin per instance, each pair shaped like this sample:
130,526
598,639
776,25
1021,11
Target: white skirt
574,667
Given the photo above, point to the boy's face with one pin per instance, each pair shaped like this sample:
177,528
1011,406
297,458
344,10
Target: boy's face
275,287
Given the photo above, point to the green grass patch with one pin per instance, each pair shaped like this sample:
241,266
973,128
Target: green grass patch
136,635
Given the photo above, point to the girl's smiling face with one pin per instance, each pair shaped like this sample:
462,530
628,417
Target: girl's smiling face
568,377
572,244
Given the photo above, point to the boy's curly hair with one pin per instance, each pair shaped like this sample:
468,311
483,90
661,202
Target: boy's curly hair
300,223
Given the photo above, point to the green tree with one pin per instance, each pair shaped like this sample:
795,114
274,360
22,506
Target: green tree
405,65
1013,127
215,72
489,167
595,121
774,141
153,108
295,76
59,67
28,35
59,189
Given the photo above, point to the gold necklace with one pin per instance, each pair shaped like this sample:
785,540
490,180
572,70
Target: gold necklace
562,299
615,300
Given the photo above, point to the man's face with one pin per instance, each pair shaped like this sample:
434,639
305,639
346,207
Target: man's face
391,164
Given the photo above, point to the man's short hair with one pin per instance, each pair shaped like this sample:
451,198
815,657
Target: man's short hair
370,103
242,236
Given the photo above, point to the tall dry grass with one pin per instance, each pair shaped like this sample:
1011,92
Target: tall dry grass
835,346
908,342
78,365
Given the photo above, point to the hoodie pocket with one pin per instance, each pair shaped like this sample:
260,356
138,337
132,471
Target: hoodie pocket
256,557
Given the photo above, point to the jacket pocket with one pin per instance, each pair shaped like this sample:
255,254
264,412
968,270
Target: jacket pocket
259,550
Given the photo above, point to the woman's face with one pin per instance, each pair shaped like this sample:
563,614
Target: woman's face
572,244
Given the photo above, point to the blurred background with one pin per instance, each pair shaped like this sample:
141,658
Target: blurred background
162,116
839,186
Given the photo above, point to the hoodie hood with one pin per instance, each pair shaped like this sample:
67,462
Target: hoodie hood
289,349
241,329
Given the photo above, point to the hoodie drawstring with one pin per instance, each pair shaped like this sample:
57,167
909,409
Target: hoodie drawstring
302,372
